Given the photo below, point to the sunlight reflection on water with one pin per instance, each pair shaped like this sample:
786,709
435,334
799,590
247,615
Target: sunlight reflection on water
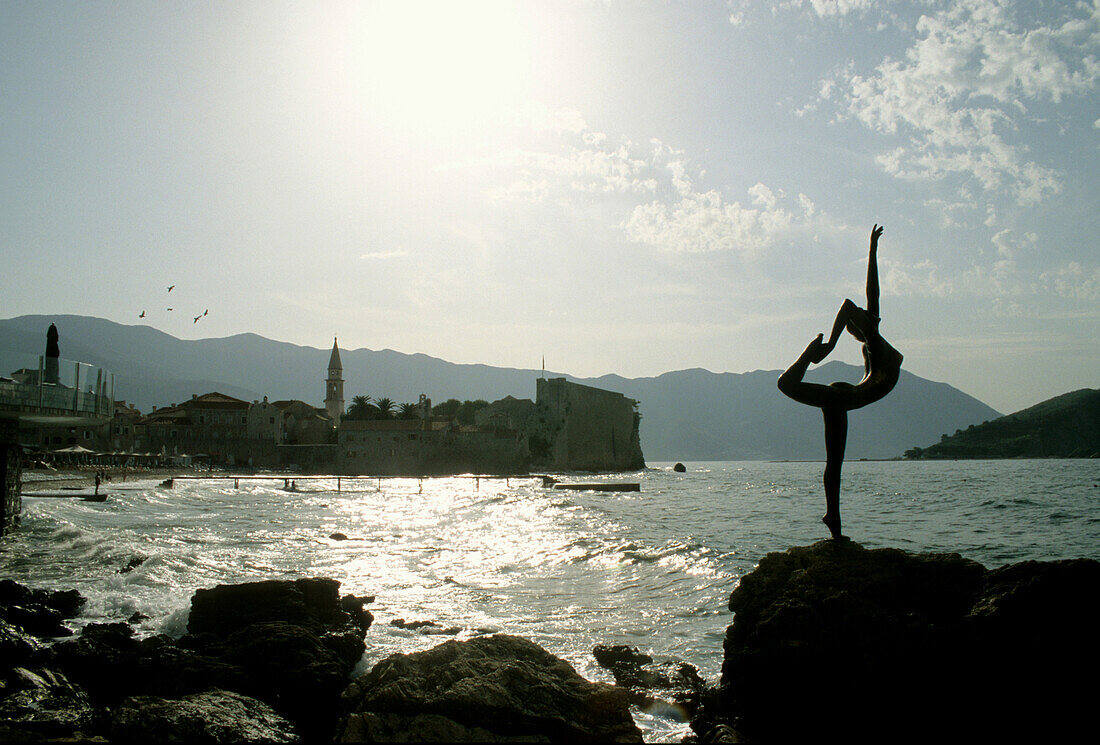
569,570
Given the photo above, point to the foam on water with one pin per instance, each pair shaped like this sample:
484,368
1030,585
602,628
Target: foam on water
569,570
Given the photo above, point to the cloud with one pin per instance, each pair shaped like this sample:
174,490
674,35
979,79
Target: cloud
962,91
704,222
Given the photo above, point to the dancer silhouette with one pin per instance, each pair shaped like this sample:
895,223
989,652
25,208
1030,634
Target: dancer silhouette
882,366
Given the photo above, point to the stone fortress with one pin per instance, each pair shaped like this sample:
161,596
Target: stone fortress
568,427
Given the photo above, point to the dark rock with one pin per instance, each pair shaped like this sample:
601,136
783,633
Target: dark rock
310,602
486,689
111,665
136,617
299,672
17,647
353,606
68,603
401,623
42,702
213,716
679,468
338,536
615,655
833,641
651,682
133,564
37,620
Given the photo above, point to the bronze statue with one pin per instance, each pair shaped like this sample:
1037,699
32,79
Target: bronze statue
882,365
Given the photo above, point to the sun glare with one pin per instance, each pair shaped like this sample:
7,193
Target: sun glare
430,64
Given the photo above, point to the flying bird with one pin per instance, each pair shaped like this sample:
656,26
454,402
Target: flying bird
206,311
196,319
170,287
170,309
142,314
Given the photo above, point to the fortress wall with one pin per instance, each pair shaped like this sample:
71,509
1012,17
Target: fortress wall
11,468
594,429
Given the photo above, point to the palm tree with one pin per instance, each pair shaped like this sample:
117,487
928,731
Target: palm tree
408,411
360,408
384,406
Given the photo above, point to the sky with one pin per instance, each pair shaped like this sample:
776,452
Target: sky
617,187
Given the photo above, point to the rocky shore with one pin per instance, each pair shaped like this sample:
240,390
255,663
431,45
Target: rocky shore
830,642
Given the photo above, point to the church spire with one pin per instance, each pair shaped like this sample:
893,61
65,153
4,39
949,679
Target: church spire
334,385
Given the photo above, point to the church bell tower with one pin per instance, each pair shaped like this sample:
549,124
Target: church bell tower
334,385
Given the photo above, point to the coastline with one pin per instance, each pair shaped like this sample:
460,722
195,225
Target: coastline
80,477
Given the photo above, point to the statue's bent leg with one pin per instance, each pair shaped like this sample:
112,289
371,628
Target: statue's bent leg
836,435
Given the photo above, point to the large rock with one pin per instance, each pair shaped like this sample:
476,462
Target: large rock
42,703
297,641
38,612
213,716
313,602
498,688
834,641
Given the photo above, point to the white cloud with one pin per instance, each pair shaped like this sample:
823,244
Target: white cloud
963,89
705,222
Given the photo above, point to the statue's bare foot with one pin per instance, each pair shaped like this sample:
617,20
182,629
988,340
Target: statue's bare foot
833,522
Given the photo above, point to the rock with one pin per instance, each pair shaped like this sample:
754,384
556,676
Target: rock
37,620
679,468
303,674
41,702
338,536
493,688
310,602
111,665
17,647
68,603
650,682
353,606
617,655
133,564
213,716
834,641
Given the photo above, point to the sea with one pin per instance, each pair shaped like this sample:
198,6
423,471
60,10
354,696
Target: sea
651,569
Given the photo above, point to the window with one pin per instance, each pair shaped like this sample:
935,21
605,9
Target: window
244,420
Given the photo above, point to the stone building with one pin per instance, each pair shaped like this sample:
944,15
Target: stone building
580,428
213,425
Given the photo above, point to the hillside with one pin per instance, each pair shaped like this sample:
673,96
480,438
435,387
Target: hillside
686,414
1066,426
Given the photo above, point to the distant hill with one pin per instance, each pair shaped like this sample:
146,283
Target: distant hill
686,415
1066,426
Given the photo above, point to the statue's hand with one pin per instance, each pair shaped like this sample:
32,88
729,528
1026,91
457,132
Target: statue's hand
817,350
876,231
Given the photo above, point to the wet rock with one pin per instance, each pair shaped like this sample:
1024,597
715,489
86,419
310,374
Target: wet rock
214,716
338,536
68,603
933,641
653,683
679,468
111,664
353,606
17,647
133,564
496,688
311,602
41,703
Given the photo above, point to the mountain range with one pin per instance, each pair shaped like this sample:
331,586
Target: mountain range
687,415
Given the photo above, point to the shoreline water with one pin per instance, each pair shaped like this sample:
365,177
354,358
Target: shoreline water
652,569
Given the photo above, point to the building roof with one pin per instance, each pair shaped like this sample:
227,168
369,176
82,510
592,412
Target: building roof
334,358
